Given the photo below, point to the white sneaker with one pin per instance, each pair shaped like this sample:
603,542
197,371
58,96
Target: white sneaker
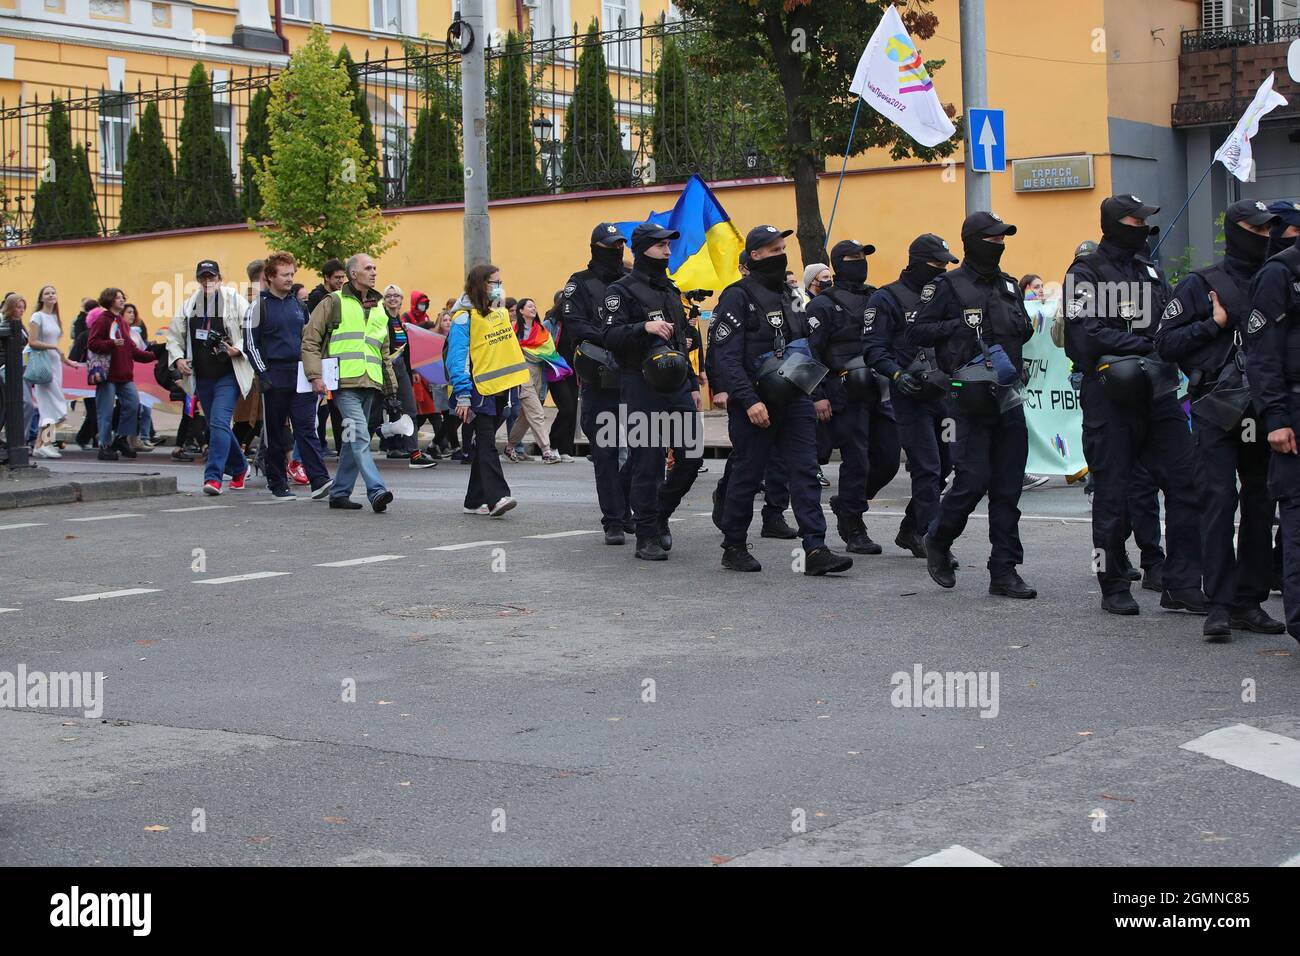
550,458
565,458
502,506
480,510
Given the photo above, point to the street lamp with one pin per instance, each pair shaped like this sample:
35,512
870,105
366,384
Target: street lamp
544,130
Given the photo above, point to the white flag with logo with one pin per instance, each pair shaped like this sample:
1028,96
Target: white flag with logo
1235,153
892,78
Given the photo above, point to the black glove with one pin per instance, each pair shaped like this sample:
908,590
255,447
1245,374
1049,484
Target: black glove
393,407
908,383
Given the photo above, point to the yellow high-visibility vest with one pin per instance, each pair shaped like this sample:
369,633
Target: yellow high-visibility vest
496,360
358,341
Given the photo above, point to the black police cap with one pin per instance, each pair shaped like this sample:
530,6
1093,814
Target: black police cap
982,225
607,234
648,233
1117,207
849,247
1253,212
930,248
760,236
1286,210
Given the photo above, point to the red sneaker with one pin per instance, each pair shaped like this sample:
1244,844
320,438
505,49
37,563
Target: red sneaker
237,482
212,487
297,473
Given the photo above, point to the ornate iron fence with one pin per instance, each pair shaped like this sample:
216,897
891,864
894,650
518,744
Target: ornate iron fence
1246,34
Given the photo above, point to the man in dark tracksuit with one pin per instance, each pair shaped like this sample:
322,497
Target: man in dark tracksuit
863,430
580,311
1203,330
643,311
1113,300
920,415
964,315
273,342
1273,371
756,321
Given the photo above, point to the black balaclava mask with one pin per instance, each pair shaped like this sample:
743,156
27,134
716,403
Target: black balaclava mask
655,269
1131,239
770,271
851,271
607,260
1276,241
1242,244
919,273
983,256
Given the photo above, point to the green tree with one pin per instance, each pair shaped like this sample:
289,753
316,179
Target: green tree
435,174
314,185
813,46
361,110
257,146
148,180
64,205
205,187
512,156
593,154
670,140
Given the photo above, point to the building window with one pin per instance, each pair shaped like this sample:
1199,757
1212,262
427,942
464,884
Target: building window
550,18
386,15
114,131
299,9
620,15
162,16
224,126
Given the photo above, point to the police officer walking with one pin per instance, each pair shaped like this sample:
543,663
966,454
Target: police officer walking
919,389
1113,300
646,330
861,426
975,319
1273,371
599,392
763,363
1202,329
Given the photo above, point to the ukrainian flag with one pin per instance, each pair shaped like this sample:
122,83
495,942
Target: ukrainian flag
706,254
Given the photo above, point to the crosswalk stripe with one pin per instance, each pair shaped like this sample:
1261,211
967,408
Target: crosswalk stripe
955,855
26,524
562,534
181,511
107,517
1259,751
6,610
467,544
235,578
1294,861
102,595
373,559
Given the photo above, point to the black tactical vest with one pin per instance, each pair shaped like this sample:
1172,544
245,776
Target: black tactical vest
1206,362
845,340
992,311
771,322
1290,257
910,303
1130,301
659,305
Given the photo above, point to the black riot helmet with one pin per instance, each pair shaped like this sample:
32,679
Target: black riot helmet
974,390
1126,380
859,381
593,363
782,380
664,368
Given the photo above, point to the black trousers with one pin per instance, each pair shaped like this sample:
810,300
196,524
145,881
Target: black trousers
88,432
776,486
487,481
1237,579
564,429
654,498
922,432
613,482
285,401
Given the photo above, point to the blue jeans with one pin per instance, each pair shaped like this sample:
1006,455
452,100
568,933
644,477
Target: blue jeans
218,397
106,394
145,420
355,405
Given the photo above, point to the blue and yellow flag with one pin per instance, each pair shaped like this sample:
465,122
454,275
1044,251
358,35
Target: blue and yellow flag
706,254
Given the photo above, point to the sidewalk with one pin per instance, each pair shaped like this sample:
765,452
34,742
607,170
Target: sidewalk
32,487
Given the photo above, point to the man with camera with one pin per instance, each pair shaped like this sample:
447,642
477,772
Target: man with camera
205,343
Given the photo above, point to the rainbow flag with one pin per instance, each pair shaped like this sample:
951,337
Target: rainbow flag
706,254
540,345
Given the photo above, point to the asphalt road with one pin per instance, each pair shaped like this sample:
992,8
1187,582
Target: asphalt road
503,714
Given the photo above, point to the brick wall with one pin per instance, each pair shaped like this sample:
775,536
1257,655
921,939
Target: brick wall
1206,82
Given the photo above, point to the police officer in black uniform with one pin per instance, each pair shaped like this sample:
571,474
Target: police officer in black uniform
760,336
580,312
975,319
646,330
1202,330
919,399
862,423
1113,301
1273,371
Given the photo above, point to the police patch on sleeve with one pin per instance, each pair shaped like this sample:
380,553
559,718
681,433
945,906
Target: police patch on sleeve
1173,310
1256,322
722,332
928,292
868,319
569,289
612,302
1076,308
814,322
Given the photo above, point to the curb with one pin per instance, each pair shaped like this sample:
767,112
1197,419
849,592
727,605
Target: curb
141,486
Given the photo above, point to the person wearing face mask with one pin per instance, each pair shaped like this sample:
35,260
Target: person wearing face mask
643,315
758,329
920,405
598,394
1114,298
1272,344
975,320
861,423
1202,330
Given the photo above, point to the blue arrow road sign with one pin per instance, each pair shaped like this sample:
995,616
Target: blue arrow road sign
988,141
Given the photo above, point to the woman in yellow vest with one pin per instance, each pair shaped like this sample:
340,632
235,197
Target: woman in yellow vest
485,366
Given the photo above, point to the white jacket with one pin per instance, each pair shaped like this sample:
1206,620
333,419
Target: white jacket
233,309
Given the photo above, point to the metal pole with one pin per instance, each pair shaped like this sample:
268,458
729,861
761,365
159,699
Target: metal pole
478,232
847,149
974,94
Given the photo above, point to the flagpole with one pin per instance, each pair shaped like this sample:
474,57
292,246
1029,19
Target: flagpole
1169,228
847,149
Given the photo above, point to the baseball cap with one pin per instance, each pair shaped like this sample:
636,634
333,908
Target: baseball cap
982,225
1250,211
1286,210
648,233
206,267
848,247
1117,207
930,248
607,234
760,236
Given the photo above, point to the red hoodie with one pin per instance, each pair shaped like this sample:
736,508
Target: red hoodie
119,346
415,317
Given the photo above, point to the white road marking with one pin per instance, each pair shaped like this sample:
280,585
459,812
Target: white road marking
127,592
467,544
1259,751
955,855
6,610
180,511
1294,861
563,534
374,559
15,527
107,517
235,578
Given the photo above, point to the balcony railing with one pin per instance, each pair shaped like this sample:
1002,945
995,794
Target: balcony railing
1249,34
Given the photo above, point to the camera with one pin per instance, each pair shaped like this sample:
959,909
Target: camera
698,295
217,342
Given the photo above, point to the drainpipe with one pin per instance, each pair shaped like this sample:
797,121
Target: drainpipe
279,28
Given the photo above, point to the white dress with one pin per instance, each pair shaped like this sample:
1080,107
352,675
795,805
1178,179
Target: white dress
50,403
